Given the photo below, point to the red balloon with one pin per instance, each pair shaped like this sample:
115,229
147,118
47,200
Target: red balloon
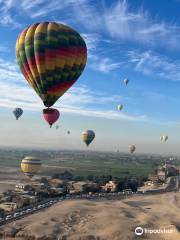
51,115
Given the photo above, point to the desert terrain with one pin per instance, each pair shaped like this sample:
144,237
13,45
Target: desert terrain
10,176
101,220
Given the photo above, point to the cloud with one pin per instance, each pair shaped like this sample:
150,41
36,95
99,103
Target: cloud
150,63
83,96
6,14
9,71
14,91
4,49
108,114
10,9
103,64
119,21
138,25
41,8
25,98
87,14
92,41
116,19
98,60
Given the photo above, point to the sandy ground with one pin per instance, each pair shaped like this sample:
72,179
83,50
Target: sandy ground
9,177
105,220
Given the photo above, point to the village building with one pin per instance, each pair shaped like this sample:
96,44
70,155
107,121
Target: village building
148,183
22,187
28,199
79,186
161,175
111,186
8,206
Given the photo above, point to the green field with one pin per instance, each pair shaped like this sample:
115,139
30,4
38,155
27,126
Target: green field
88,163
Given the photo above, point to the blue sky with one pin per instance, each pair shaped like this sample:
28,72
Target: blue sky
138,40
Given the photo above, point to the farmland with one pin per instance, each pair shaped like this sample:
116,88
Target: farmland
82,163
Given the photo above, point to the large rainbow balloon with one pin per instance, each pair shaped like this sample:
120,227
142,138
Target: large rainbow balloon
51,57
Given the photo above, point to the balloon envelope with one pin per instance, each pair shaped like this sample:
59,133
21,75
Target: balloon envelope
126,81
51,115
163,138
51,57
87,136
17,112
120,107
30,166
132,148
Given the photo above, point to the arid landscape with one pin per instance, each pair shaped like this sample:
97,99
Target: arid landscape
97,218
101,220
90,120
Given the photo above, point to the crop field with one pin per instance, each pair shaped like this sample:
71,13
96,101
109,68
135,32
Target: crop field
82,163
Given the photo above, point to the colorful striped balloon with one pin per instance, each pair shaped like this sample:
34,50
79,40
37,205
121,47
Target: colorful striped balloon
51,57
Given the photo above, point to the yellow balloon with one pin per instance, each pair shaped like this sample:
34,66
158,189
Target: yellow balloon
30,166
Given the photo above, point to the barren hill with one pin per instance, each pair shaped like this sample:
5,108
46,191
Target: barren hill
101,220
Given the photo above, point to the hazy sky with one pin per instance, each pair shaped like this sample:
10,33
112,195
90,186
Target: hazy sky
138,40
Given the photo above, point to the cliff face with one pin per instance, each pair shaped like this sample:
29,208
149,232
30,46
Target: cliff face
105,220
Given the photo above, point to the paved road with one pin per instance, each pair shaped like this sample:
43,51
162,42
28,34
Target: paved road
172,186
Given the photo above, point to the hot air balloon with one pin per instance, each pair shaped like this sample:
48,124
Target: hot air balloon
30,166
51,57
120,107
57,127
51,115
68,132
17,112
132,148
126,81
163,138
87,136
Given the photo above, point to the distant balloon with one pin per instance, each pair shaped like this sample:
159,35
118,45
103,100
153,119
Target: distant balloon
163,138
126,81
30,166
87,136
17,112
51,115
57,127
68,132
120,107
132,148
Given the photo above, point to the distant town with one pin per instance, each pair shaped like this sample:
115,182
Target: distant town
32,195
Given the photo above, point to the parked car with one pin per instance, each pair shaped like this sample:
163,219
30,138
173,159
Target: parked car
28,210
16,214
8,217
